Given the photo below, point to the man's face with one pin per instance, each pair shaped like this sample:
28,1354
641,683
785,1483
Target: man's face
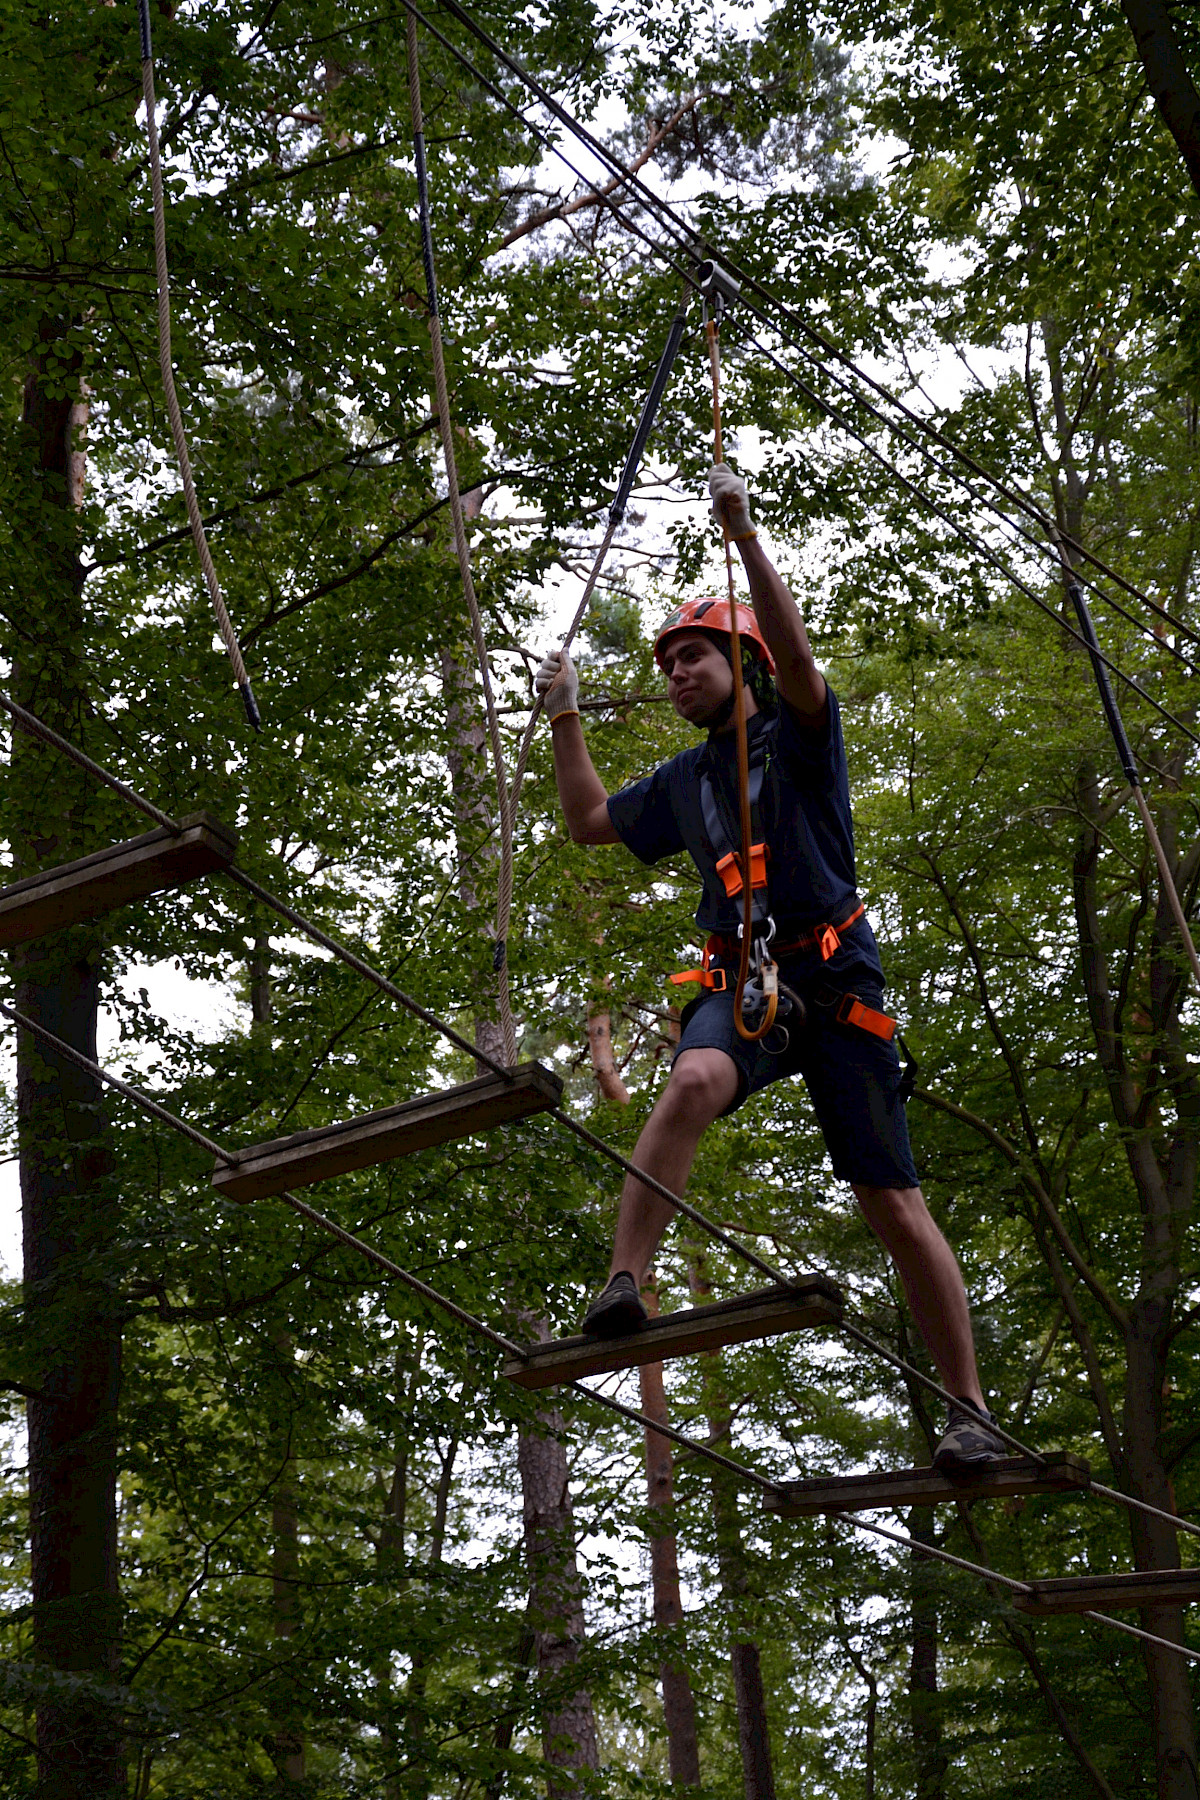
699,680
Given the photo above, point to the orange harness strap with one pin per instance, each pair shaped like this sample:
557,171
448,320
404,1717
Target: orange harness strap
852,1011
707,977
825,938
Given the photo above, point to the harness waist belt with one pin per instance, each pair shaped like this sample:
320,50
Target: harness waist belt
824,938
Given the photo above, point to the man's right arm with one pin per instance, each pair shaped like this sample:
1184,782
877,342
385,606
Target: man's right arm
581,793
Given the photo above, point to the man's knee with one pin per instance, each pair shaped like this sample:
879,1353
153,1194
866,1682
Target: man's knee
702,1084
898,1215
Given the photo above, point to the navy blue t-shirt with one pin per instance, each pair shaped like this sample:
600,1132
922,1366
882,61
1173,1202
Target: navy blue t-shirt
804,814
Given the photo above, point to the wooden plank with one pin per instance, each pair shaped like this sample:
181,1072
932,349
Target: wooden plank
377,1137
113,877
1100,1593
926,1487
813,1300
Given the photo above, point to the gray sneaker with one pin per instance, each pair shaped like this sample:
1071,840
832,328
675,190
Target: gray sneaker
967,1445
617,1311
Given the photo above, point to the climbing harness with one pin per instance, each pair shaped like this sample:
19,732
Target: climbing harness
499,1341
718,291
30,723
167,371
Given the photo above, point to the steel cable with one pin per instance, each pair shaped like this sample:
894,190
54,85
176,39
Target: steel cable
689,241
433,1297
318,935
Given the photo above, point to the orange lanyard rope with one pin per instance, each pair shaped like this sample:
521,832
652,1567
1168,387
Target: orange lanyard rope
739,728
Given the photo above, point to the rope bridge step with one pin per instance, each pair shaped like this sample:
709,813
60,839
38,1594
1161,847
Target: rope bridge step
1086,1593
113,877
811,1301
378,1137
1058,1473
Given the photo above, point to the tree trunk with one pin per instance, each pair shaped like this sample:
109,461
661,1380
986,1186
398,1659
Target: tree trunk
754,1740
679,1705
1164,1176
555,1588
600,1044
287,1738
70,1208
925,1704
556,1607
1169,81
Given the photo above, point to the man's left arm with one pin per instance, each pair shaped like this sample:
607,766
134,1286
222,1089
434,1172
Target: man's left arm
797,676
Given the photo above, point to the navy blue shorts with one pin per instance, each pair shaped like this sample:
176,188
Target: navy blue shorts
852,1076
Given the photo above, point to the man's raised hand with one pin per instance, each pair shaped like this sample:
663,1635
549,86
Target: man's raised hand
558,684
730,502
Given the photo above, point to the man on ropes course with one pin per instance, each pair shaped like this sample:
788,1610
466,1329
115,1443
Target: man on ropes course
821,946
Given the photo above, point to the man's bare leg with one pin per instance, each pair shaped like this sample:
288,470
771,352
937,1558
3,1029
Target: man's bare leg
701,1085
932,1281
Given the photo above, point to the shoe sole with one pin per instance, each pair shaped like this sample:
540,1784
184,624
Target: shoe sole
620,1318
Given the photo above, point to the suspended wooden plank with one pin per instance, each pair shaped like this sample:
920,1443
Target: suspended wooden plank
377,1137
1100,1593
813,1300
926,1487
113,877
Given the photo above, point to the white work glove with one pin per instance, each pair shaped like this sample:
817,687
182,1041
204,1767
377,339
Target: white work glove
730,502
558,684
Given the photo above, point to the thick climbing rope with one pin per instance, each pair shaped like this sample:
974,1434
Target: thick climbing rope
463,551
741,744
167,370
499,1341
318,935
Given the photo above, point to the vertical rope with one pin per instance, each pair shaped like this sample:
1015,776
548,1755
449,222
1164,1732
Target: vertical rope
1124,749
166,368
463,550
739,729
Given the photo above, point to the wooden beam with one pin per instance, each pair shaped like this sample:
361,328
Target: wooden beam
114,877
377,1137
926,1487
1100,1593
812,1300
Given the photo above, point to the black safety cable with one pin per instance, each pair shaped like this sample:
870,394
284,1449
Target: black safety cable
859,1336
232,1158
499,1341
387,986
30,723
695,241
978,544
1039,545
687,240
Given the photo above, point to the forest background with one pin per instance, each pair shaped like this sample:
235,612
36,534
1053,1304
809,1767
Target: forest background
269,1524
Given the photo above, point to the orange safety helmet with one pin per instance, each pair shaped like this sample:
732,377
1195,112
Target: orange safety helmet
712,614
